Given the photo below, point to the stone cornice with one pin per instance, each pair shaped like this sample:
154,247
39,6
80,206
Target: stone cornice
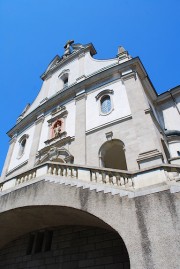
59,142
167,96
128,75
156,122
70,92
128,117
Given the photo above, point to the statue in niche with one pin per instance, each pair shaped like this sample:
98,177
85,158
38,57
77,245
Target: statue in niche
56,128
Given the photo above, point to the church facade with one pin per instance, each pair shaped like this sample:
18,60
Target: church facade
91,178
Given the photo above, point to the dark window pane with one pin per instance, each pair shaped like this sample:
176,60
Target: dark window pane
30,244
39,242
105,104
48,240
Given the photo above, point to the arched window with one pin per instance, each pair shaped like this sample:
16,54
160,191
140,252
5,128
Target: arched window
22,145
105,104
64,77
65,80
105,101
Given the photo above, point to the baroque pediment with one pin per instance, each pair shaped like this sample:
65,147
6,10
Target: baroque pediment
55,154
54,62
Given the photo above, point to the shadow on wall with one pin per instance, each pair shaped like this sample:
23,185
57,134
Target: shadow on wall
112,155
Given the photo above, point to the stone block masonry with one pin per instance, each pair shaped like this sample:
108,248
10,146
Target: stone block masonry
72,247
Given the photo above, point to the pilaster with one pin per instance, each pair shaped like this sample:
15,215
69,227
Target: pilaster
147,142
80,129
35,142
9,155
81,67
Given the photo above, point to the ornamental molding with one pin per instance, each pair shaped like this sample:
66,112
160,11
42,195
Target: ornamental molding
59,142
60,116
59,136
152,154
40,119
54,153
105,92
57,110
81,95
25,136
64,73
128,75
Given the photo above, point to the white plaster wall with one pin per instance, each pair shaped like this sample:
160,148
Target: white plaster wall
121,106
69,124
70,120
91,65
15,161
173,148
44,132
171,117
54,84
153,109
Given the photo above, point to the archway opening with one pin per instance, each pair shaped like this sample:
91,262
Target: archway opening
112,155
67,237
67,247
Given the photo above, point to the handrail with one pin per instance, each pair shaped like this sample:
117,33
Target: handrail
114,177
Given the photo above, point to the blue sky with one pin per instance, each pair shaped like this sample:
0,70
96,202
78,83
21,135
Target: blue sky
32,32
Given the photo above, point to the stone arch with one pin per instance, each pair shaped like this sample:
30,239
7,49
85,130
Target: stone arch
41,205
34,219
112,155
76,228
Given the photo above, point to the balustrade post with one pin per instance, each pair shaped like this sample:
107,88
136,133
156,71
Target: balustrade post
114,180
122,183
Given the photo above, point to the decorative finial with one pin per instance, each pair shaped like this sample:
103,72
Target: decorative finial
122,53
121,49
67,47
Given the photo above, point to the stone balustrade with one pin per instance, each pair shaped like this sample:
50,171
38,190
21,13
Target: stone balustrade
113,177
62,170
118,178
26,176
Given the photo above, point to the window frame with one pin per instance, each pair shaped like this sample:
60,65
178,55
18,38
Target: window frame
99,98
64,77
22,140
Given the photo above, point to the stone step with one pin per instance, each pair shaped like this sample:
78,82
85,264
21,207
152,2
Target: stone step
88,185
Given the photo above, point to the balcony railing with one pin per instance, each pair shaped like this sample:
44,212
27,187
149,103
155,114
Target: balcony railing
112,177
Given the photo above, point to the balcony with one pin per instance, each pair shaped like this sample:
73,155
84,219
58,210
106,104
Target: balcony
100,179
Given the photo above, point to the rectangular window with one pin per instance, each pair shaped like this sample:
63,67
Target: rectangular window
30,244
39,242
48,240
65,82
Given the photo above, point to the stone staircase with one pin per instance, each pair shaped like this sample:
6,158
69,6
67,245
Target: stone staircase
115,182
98,187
